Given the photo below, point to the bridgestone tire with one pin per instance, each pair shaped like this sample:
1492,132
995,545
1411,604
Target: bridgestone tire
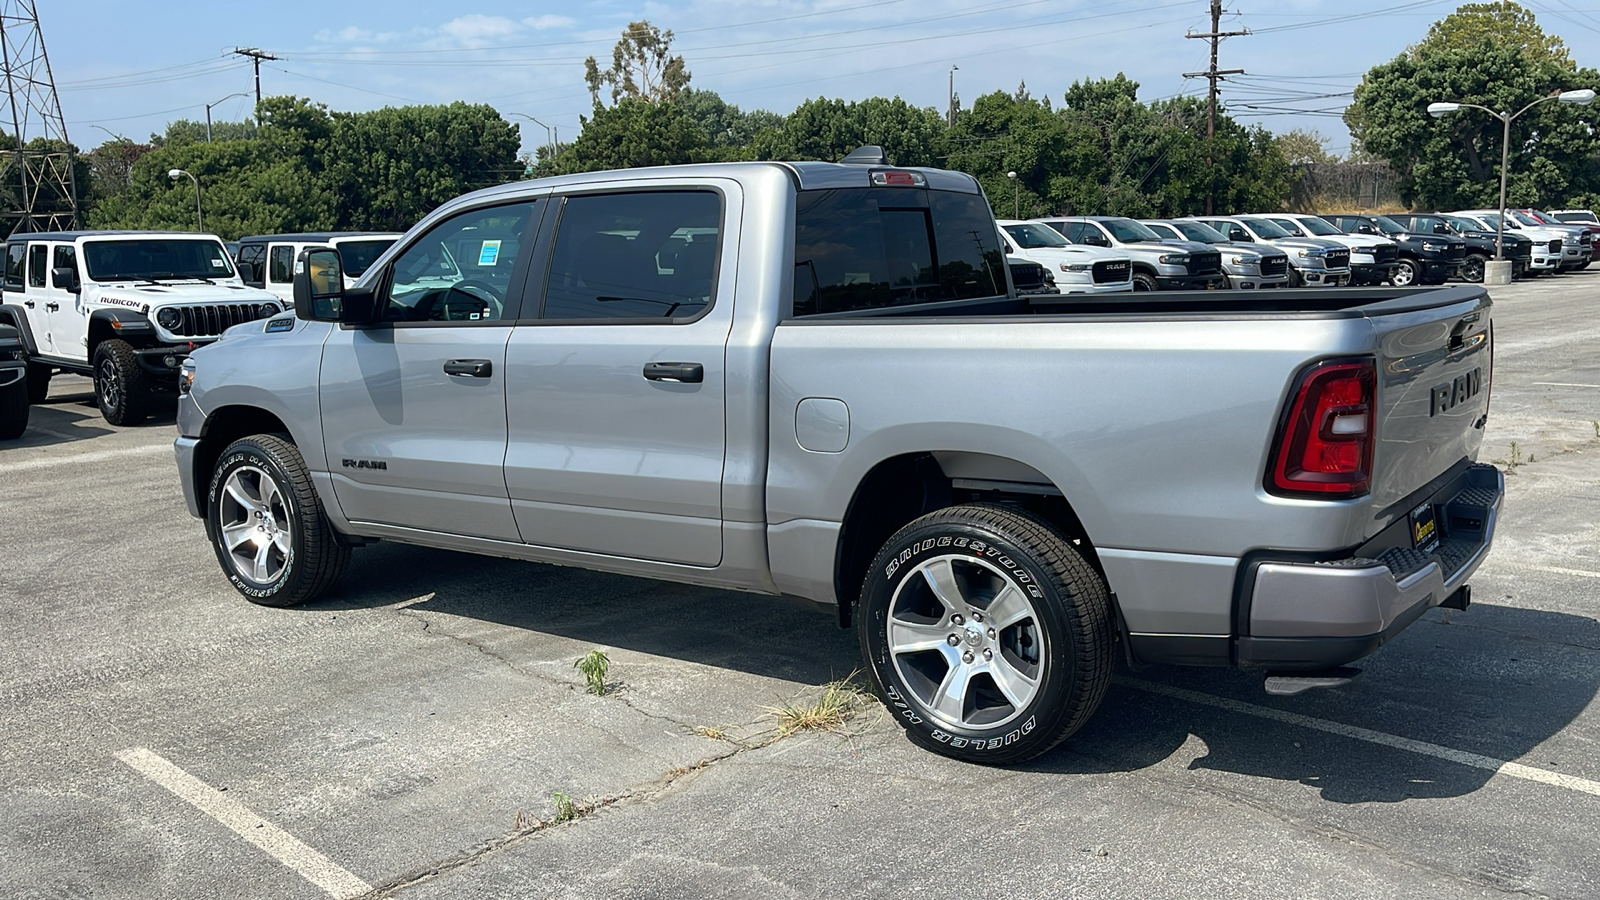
315,557
1056,658
1407,274
38,382
13,411
1143,282
120,387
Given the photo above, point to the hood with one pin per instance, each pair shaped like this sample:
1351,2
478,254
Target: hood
1186,246
1362,241
1305,243
168,293
1265,251
1077,253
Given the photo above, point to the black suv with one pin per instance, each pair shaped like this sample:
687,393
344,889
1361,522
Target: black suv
1424,258
1480,243
13,384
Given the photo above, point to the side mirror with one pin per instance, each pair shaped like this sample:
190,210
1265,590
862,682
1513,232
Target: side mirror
65,277
1097,240
1237,234
1441,228
247,272
1364,228
320,294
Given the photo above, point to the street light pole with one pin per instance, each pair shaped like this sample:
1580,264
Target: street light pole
1016,196
549,141
1444,108
219,103
199,220
950,110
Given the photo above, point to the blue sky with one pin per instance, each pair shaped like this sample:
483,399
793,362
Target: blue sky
129,66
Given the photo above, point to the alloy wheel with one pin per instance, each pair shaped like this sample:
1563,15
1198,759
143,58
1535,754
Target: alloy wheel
255,525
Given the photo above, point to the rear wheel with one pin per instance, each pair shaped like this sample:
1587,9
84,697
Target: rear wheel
1406,274
120,386
267,524
13,410
988,636
38,382
1472,268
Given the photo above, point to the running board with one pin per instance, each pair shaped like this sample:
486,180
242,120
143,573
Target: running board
1287,684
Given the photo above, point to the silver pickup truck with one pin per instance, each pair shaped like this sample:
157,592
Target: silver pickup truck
815,379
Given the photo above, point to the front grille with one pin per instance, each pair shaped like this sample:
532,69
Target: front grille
1027,277
1105,272
211,321
1274,265
1555,246
1519,250
1385,254
1205,263
1338,259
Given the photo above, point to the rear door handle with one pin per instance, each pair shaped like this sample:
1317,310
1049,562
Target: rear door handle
52,307
680,372
28,303
470,368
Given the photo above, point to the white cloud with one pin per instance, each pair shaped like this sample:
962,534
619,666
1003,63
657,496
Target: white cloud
542,22
478,27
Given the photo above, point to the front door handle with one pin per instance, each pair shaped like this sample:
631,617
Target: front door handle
680,372
52,307
28,303
470,368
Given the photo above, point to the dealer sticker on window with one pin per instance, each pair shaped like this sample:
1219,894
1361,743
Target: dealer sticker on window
490,253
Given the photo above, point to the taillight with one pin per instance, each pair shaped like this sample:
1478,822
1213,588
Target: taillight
1325,445
898,178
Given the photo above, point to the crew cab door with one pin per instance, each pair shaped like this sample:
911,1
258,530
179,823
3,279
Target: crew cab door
34,273
69,319
414,407
616,379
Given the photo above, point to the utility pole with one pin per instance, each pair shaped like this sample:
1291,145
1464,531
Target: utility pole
258,56
1214,75
48,200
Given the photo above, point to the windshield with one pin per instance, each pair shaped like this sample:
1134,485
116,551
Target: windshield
1264,228
1029,236
149,259
358,256
1387,225
1577,218
1288,225
1318,227
1163,230
1128,231
1199,231
1460,224
1524,218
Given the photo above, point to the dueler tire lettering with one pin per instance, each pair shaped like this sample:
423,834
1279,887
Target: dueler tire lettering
1004,586
120,387
316,559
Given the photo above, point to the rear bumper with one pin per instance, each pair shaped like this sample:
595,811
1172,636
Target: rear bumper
1304,615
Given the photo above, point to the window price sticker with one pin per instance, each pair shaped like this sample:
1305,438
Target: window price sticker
490,253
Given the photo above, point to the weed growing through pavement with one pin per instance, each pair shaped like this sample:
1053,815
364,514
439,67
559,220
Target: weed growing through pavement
1516,456
594,666
1596,424
839,701
714,733
566,810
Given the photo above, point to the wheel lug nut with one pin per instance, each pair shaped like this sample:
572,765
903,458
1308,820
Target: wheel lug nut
988,654
957,620
953,640
977,617
966,657
991,634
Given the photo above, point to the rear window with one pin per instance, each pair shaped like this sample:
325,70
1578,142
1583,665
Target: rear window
867,248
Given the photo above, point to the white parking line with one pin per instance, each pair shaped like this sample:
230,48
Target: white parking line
1493,567
279,844
1564,384
1461,757
67,459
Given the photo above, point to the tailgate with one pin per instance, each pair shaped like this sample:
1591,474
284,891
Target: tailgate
1434,367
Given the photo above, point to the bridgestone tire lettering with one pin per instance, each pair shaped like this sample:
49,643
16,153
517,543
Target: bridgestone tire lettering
1073,615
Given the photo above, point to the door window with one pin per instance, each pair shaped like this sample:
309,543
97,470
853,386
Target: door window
38,259
15,253
66,257
460,271
281,264
252,264
648,255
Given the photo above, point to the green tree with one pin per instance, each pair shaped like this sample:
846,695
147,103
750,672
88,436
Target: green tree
642,67
634,132
1301,148
1454,161
824,129
725,125
1005,132
188,131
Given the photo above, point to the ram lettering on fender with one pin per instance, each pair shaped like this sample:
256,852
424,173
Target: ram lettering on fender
988,635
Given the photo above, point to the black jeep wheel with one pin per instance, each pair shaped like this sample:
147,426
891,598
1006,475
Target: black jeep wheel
120,386
13,410
38,382
988,636
267,525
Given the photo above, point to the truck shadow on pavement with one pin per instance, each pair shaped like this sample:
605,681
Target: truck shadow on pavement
769,636
60,421
1494,681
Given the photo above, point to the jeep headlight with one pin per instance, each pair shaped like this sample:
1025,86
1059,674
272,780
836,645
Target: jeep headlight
169,317
1175,259
1076,267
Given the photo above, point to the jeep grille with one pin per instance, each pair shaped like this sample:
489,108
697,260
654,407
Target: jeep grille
210,321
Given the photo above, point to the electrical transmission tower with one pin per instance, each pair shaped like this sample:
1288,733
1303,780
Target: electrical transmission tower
42,174
1214,75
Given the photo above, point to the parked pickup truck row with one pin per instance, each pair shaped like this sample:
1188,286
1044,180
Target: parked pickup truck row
817,379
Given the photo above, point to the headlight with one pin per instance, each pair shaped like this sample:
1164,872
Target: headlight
186,377
1175,259
1313,253
1570,239
1077,267
1430,247
1245,260
268,310
168,317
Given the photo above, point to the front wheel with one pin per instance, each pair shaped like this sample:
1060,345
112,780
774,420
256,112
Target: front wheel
267,524
1406,274
1143,282
120,386
988,636
1472,268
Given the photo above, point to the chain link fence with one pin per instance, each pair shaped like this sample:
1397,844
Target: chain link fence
1344,187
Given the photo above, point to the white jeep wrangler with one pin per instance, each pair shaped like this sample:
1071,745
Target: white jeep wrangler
123,307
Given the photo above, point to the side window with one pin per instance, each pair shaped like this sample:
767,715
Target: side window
252,264
647,255
280,268
15,253
66,257
38,264
460,270
1075,231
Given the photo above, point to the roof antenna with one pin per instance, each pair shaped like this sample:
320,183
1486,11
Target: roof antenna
868,155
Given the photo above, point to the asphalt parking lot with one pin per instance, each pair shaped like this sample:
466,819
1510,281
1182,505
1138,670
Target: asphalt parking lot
161,737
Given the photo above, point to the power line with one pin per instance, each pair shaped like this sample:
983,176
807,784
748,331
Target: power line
257,56
1213,75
